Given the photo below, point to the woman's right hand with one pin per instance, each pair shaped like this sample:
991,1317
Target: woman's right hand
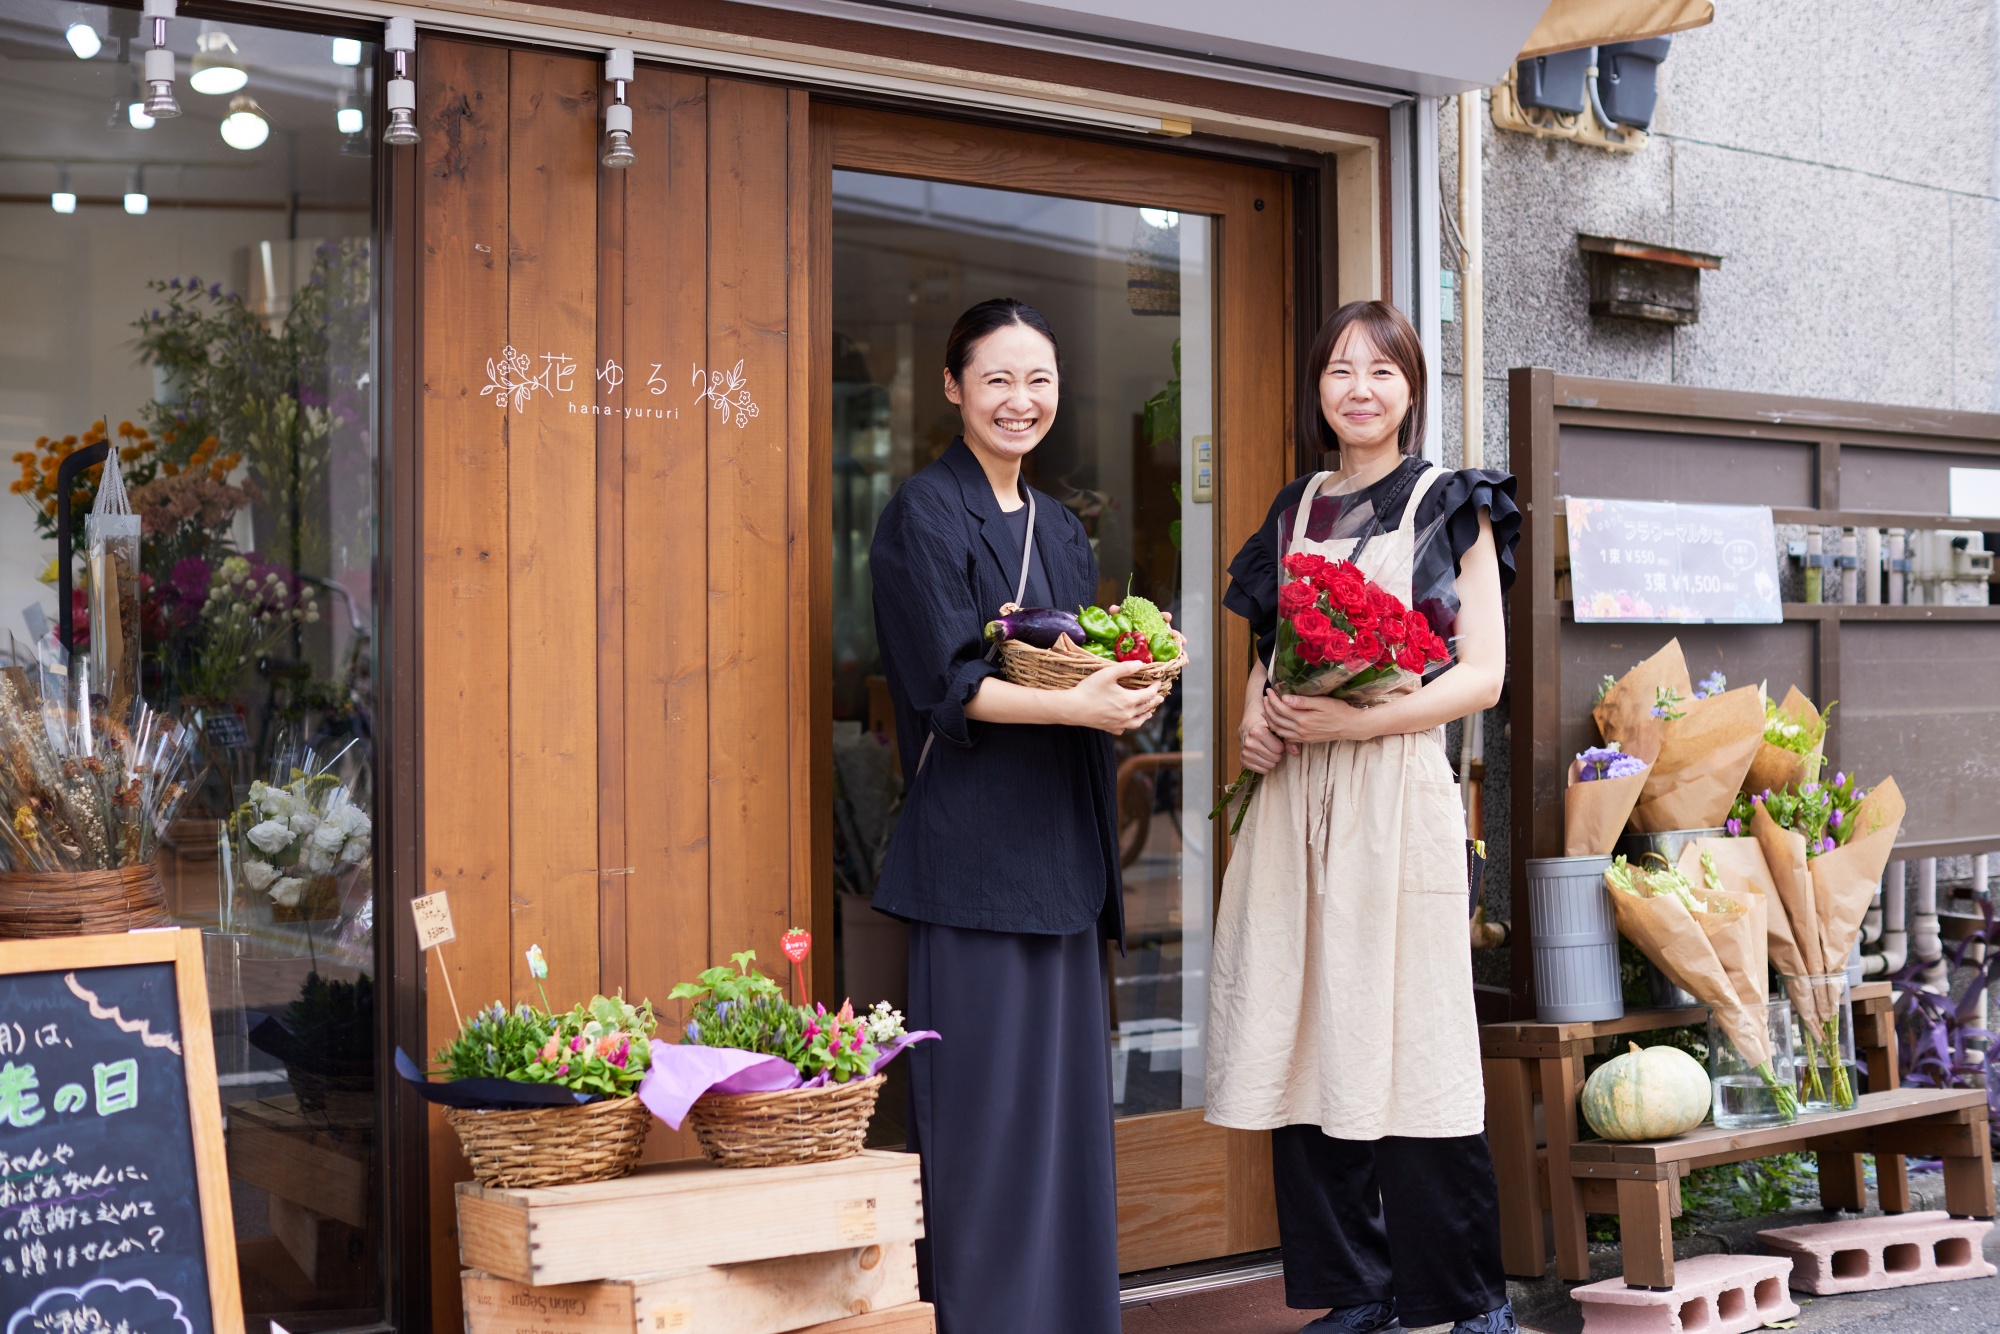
1101,701
1262,748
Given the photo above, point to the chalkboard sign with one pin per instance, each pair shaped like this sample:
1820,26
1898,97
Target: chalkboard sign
114,1200
1646,560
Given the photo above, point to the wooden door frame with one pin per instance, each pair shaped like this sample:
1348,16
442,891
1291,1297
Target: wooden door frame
1187,1190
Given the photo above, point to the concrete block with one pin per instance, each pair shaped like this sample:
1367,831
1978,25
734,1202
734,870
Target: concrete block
1890,1251
1712,1294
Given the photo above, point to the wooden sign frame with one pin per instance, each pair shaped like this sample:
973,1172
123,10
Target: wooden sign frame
182,948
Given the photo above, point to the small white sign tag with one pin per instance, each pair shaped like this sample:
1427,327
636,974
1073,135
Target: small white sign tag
433,916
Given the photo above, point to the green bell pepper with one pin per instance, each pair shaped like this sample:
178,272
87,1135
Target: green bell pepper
1097,623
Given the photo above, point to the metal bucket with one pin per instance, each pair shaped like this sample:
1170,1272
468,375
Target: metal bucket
1575,941
1668,844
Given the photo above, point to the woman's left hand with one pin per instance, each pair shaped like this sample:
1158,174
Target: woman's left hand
1301,719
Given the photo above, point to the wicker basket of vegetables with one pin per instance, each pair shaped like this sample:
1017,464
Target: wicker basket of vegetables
1044,648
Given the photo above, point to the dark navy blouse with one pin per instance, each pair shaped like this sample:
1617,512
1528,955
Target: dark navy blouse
1007,827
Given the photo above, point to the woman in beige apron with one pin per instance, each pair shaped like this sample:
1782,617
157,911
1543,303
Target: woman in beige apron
1340,1001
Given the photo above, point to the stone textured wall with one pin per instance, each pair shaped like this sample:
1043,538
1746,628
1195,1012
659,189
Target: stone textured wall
1839,155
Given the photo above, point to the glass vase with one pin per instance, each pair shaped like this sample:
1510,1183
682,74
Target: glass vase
1750,1065
1823,1046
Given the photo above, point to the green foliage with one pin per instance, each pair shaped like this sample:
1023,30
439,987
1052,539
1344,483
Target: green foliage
744,1010
1160,419
720,984
335,1019
1822,812
601,1046
496,1043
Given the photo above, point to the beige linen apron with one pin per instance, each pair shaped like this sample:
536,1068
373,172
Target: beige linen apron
1340,992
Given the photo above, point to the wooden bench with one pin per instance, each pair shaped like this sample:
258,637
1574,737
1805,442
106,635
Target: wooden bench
1534,1075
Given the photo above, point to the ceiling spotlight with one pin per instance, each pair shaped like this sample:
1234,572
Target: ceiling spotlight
347,120
136,202
64,198
347,51
246,126
218,65
83,40
160,102
136,113
617,115
400,97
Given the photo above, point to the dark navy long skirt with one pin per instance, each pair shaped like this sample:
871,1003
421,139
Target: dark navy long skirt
1011,1110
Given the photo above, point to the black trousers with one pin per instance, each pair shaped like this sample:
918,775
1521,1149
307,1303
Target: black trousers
1365,1220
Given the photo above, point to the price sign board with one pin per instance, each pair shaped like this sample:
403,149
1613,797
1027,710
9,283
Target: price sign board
433,916
114,1198
1660,561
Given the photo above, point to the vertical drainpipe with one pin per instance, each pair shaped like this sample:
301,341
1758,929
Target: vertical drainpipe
1428,275
1472,386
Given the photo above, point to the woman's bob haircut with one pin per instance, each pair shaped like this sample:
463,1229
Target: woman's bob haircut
1391,335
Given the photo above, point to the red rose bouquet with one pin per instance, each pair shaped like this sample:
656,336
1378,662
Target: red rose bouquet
1341,634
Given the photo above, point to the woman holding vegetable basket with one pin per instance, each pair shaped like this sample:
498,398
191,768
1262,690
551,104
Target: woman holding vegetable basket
1340,1001
1004,861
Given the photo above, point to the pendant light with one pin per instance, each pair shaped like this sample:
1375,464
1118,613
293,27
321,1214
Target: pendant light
246,126
63,200
136,202
617,115
400,40
160,102
218,66
83,40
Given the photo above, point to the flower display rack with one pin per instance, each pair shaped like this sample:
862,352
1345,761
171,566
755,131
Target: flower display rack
826,1247
1568,1178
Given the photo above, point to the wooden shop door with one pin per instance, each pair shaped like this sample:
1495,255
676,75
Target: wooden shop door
1165,277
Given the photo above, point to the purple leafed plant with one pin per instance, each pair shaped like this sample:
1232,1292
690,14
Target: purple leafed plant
1934,1032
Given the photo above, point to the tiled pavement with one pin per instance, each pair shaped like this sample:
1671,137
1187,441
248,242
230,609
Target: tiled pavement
1545,1307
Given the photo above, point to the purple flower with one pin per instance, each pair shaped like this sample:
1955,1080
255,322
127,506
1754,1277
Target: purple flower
174,283
1807,789
1827,845
1834,819
1712,684
1734,826
693,1034
1608,762
1839,778
190,579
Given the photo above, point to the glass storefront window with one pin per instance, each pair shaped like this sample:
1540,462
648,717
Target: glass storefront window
1129,292
197,293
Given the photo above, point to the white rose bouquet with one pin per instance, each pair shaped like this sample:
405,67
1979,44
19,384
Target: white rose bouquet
293,841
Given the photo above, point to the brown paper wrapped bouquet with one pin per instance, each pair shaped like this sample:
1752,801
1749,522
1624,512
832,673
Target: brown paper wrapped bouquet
1698,739
1709,945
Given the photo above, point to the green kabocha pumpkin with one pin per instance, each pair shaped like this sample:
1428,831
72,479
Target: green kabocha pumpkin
1650,1093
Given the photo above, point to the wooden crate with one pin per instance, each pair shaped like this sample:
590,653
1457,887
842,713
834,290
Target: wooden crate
311,1159
916,1318
761,1297
671,1217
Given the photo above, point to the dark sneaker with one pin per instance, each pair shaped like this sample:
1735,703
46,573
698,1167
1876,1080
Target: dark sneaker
1493,1322
1374,1318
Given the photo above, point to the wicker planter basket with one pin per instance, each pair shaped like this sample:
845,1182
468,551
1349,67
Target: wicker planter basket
553,1146
1065,665
36,905
807,1125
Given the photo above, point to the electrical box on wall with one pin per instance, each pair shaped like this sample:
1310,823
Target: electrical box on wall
1604,96
1634,280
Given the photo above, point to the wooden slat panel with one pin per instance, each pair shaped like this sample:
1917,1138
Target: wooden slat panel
463,115
665,472
551,523
750,632
613,393
809,457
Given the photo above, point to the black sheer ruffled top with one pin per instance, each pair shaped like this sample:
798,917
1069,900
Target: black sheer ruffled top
1447,526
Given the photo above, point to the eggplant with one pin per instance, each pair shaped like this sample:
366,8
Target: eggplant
1039,626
